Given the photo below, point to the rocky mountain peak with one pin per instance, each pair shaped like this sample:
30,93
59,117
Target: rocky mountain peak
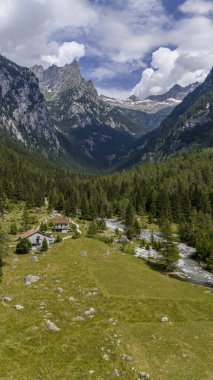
133,98
177,92
58,78
23,111
209,79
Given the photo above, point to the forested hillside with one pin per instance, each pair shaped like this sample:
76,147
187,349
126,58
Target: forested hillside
179,189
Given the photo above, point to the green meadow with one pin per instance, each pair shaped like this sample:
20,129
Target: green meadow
129,299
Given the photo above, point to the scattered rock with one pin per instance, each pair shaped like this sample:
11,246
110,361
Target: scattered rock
60,290
165,319
34,259
106,357
83,254
50,325
47,314
89,312
94,290
6,299
123,240
144,375
18,307
72,299
116,372
88,294
13,267
126,358
42,304
91,372
112,321
30,279
79,318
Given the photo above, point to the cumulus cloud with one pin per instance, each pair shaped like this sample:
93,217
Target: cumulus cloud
119,33
169,67
66,54
114,92
26,27
197,7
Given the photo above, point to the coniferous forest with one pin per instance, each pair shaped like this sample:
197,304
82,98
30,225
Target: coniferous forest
179,189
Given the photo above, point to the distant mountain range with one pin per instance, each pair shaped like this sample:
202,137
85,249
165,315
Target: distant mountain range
59,113
91,130
177,92
189,125
153,110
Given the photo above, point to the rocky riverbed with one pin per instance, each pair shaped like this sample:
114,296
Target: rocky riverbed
190,268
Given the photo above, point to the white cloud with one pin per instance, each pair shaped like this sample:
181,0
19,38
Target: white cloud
169,67
122,34
114,92
26,26
66,54
197,7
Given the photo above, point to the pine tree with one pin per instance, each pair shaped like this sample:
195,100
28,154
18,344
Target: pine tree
169,250
84,208
25,219
93,229
129,216
43,227
44,246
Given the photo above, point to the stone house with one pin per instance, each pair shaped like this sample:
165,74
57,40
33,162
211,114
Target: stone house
36,238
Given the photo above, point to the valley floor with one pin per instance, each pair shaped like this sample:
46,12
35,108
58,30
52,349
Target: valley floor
129,299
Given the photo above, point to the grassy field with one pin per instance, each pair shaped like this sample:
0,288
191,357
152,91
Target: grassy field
128,291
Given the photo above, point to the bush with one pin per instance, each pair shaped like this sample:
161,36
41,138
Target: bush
76,235
93,229
13,229
58,239
23,247
101,225
106,239
43,227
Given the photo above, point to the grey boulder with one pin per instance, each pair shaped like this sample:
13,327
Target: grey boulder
52,326
18,307
6,299
34,259
144,375
31,279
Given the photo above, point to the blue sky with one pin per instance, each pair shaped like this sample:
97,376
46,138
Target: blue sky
125,46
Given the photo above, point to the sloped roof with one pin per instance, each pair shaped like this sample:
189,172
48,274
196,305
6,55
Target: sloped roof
61,220
27,234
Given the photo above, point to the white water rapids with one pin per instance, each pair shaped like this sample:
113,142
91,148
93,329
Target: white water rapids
189,267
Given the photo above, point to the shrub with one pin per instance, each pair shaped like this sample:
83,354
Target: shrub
93,229
76,235
58,239
13,229
23,246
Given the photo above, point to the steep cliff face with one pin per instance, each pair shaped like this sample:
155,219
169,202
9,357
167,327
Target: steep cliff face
23,111
92,130
72,98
